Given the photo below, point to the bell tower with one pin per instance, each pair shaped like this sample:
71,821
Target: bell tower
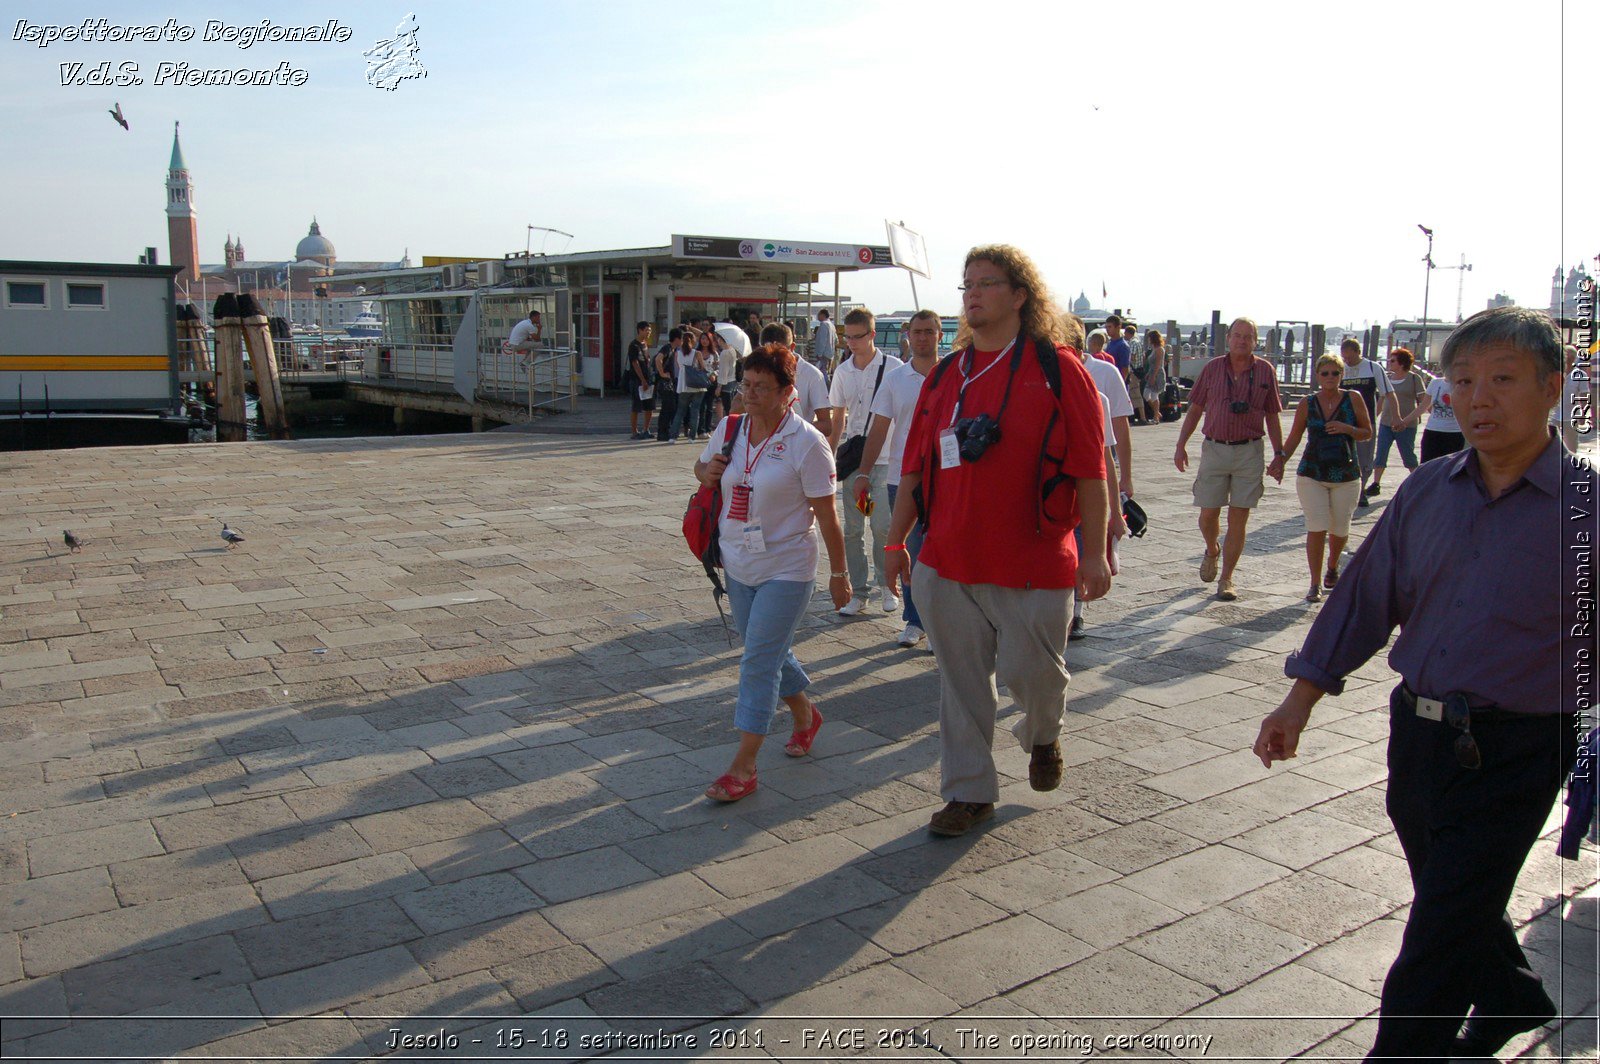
183,242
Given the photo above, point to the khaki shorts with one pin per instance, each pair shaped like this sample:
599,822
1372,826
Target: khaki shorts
1327,506
1230,475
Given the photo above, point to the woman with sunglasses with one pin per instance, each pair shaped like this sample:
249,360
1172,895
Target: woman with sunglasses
777,489
1332,420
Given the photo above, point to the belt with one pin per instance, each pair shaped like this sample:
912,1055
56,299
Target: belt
1433,709
1235,443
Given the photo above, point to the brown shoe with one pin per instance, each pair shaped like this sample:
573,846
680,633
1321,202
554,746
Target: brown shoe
957,818
1044,767
1208,567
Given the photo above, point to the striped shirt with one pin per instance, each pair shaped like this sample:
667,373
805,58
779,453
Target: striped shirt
1217,390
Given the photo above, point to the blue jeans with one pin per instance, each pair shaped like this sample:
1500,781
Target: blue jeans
913,548
767,617
1405,439
687,423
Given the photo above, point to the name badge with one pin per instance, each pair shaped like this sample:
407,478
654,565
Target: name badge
949,449
753,541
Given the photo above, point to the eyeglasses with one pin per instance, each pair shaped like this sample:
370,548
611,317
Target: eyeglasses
984,285
857,336
1459,714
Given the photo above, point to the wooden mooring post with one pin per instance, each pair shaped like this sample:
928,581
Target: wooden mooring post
264,364
231,424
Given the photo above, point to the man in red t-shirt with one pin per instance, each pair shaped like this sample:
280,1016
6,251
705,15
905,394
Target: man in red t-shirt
1004,469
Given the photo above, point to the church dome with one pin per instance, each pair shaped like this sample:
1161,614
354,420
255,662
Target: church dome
315,246
1081,304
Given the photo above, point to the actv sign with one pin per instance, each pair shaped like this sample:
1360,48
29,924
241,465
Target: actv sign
748,249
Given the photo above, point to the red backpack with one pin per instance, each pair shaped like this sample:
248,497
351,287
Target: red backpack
705,506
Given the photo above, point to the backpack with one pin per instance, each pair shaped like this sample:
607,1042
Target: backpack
700,520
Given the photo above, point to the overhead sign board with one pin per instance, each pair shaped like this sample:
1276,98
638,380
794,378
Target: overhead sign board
786,252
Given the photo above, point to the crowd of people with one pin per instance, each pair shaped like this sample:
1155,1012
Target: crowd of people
981,497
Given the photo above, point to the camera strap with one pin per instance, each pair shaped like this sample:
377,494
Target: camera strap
966,358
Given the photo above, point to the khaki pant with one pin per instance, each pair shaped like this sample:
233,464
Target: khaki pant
981,633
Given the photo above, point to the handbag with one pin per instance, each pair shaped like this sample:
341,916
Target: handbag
696,378
847,459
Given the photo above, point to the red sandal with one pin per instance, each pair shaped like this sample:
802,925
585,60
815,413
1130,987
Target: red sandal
732,788
799,744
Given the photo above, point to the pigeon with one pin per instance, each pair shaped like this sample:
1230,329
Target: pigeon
229,536
74,544
116,112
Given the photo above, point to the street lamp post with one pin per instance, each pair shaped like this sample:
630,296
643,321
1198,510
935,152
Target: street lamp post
1427,278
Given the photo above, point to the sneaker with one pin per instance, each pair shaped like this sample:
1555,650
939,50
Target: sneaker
911,635
853,608
1208,567
1077,631
957,818
891,603
1362,503
1374,488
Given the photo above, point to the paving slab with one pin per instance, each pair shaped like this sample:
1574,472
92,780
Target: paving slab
484,795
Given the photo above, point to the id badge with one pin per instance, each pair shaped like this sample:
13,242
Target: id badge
949,449
753,543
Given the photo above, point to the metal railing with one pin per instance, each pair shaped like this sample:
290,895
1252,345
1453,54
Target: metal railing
542,380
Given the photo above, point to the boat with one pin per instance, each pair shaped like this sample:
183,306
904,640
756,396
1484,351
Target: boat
366,324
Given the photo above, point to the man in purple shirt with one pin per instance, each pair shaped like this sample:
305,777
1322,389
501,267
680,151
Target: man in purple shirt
1484,561
1238,395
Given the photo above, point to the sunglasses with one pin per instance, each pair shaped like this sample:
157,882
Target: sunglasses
1459,714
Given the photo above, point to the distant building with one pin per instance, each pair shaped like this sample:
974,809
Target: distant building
308,289
1500,300
1564,293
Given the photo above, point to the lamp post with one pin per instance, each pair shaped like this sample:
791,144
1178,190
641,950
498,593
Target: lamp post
1427,278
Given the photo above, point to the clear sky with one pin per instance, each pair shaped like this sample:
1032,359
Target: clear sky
1271,159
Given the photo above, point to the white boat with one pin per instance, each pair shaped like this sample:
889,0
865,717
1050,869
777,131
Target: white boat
365,324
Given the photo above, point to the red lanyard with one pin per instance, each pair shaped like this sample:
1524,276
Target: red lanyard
750,461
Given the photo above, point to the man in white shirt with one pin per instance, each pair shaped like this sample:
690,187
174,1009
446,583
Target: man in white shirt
526,335
811,400
855,384
824,342
1368,380
891,423
1109,383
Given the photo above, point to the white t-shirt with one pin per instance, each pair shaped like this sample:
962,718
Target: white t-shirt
1364,370
1108,382
810,390
1441,418
792,466
897,401
852,389
727,362
524,336
1105,411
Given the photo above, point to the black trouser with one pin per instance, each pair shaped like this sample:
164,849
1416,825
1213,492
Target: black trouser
668,413
1466,833
1436,444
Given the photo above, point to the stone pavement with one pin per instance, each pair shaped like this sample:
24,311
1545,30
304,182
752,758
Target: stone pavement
430,744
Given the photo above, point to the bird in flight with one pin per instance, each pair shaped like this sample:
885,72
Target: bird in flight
74,544
230,537
116,112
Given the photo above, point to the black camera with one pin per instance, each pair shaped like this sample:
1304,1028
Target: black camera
1239,406
976,435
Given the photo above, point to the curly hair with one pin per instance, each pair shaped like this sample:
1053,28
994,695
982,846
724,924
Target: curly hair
1040,315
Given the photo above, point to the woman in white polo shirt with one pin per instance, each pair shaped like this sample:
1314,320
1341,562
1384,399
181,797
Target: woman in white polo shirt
777,489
